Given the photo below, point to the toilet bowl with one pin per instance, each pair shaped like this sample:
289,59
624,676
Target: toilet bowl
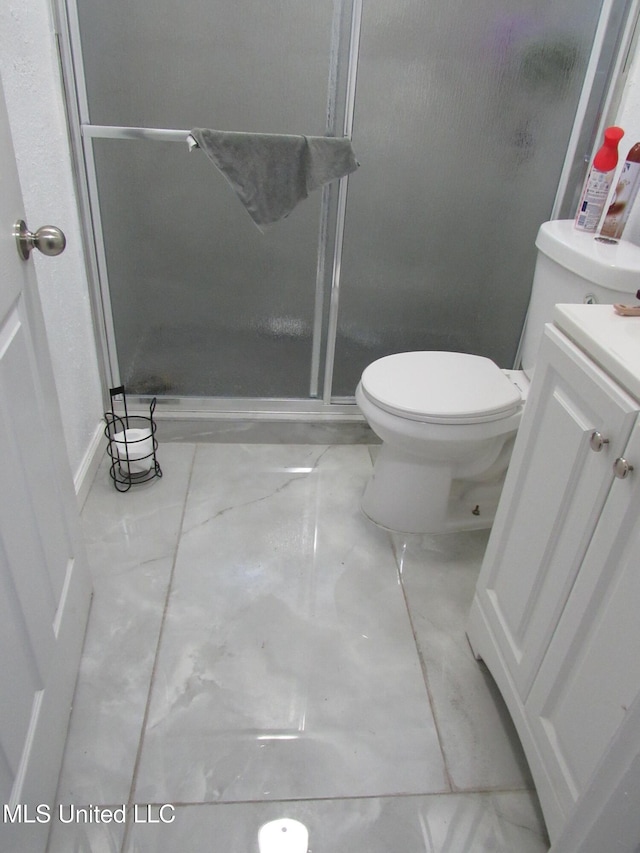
448,420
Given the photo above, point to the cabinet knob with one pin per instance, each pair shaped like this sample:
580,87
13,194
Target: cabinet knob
597,441
621,468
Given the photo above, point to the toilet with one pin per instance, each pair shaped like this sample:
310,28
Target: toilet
448,420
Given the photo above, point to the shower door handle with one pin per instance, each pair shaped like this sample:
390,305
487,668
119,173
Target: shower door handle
48,239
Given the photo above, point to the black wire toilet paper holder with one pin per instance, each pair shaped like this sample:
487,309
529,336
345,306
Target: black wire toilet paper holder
132,444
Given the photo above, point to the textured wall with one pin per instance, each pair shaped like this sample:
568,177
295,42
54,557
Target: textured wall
31,80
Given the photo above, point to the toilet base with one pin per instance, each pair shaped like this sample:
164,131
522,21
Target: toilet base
405,494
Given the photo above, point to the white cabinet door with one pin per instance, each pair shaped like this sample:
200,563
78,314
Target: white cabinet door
555,490
44,585
590,676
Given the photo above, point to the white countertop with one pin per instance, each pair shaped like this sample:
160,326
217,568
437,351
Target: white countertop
611,340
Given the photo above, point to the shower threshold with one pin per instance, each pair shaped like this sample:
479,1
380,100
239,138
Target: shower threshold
268,421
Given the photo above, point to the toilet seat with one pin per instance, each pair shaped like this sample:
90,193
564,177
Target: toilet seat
440,387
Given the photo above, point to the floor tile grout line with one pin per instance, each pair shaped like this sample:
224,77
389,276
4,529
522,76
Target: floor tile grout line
423,668
143,728
485,792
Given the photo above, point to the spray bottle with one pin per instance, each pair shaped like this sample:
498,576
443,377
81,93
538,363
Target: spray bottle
626,190
598,183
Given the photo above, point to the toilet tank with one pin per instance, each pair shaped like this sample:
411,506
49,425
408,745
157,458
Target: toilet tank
574,266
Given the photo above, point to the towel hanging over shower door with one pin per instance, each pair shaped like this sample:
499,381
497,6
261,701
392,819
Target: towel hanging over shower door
271,173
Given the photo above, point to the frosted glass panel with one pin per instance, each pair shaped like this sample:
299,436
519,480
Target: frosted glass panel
462,119
203,303
255,65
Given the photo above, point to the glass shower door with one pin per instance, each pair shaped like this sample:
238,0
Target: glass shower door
463,116
203,304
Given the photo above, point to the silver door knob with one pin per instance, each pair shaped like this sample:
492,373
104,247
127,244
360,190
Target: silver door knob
597,441
621,468
49,240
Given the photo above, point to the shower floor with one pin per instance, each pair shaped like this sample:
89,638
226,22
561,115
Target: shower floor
199,361
195,361
257,649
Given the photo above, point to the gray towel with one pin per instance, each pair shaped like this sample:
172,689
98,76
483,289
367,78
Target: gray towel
271,172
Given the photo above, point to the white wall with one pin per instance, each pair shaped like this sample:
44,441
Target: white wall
31,80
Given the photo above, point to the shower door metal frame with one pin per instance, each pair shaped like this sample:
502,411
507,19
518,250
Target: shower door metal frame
616,34
333,209
332,218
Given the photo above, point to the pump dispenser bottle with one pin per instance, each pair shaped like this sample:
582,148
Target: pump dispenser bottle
625,193
598,183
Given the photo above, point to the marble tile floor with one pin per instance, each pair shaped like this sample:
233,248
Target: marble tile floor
258,649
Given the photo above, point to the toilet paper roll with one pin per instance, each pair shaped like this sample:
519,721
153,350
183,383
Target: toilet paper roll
135,449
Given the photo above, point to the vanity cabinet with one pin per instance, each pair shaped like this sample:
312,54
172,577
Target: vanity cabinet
556,614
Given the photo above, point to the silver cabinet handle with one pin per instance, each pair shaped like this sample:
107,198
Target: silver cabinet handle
597,441
621,468
49,240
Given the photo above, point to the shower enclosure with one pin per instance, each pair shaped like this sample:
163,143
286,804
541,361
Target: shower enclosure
465,119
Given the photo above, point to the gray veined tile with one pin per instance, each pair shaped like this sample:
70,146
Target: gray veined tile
287,669
227,478
480,743
123,530
287,666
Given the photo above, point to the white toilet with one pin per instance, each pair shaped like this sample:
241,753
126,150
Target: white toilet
448,420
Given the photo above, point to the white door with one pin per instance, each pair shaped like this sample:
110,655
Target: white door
590,676
44,582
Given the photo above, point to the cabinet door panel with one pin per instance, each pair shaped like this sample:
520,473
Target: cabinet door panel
590,675
555,489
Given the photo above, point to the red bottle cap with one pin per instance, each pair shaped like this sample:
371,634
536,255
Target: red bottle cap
607,157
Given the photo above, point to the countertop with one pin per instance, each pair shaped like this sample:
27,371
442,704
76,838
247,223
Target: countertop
611,340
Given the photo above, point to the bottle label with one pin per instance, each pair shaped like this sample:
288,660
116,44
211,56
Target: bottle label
593,200
623,198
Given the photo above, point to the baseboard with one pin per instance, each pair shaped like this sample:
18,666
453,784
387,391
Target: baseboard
87,471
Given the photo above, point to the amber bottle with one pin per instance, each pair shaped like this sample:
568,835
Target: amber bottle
624,195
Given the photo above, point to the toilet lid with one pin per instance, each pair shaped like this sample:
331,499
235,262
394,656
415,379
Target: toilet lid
440,387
